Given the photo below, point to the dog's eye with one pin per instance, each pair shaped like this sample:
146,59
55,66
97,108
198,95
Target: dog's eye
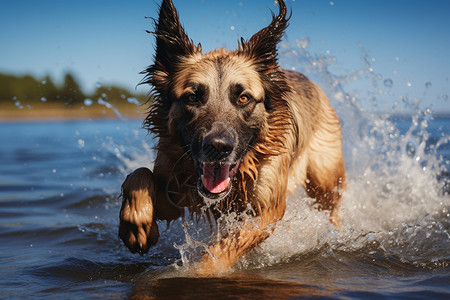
244,99
192,98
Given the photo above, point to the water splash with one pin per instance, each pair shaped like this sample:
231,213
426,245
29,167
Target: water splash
88,102
388,83
133,100
110,106
18,104
395,204
394,198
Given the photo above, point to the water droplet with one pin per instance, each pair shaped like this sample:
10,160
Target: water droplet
44,82
98,85
409,84
428,84
444,97
133,100
303,44
388,82
18,104
104,95
232,27
87,102
103,102
81,143
43,99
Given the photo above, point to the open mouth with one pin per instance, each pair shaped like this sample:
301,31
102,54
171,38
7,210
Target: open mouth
215,180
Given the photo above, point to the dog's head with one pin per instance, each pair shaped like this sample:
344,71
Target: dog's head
219,106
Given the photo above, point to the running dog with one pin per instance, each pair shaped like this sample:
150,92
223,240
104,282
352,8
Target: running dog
236,133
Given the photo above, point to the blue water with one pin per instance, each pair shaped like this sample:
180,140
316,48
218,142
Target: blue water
59,187
59,206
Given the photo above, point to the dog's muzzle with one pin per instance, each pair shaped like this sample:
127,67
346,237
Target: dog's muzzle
217,167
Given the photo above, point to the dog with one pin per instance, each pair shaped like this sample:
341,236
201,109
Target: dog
236,134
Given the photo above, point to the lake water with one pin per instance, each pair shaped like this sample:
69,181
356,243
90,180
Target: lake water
59,186
59,206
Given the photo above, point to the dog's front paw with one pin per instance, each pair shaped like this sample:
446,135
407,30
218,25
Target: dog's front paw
138,229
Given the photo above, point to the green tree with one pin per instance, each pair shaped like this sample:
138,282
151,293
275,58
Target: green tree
7,87
49,91
28,89
25,88
71,93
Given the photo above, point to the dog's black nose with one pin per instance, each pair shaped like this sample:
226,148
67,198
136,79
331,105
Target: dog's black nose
217,147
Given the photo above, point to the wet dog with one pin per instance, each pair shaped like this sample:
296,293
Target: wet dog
236,133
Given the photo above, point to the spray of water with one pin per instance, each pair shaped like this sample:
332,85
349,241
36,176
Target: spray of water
394,205
394,200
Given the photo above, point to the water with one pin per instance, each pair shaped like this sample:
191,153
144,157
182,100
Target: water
59,186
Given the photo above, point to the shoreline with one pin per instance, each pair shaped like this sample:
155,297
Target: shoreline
54,112
58,112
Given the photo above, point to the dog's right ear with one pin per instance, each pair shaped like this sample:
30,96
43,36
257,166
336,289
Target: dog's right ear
172,43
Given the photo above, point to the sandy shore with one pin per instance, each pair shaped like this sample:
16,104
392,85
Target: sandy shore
59,112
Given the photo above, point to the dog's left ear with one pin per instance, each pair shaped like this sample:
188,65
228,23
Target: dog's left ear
172,43
262,47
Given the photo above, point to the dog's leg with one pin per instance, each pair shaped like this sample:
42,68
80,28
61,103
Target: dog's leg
325,173
325,181
138,229
223,255
142,205
327,194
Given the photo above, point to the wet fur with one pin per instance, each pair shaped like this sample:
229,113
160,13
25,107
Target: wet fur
289,135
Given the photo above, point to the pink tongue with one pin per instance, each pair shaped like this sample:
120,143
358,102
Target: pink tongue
216,179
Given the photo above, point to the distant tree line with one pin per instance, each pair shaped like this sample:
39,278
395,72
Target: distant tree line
28,89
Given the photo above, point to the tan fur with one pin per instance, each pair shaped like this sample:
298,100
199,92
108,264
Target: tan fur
298,141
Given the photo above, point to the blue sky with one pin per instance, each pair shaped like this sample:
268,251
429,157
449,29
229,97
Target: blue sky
105,40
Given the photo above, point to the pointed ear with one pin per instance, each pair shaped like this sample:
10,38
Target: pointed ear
262,47
172,43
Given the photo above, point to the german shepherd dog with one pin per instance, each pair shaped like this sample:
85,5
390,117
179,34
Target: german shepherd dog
236,133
